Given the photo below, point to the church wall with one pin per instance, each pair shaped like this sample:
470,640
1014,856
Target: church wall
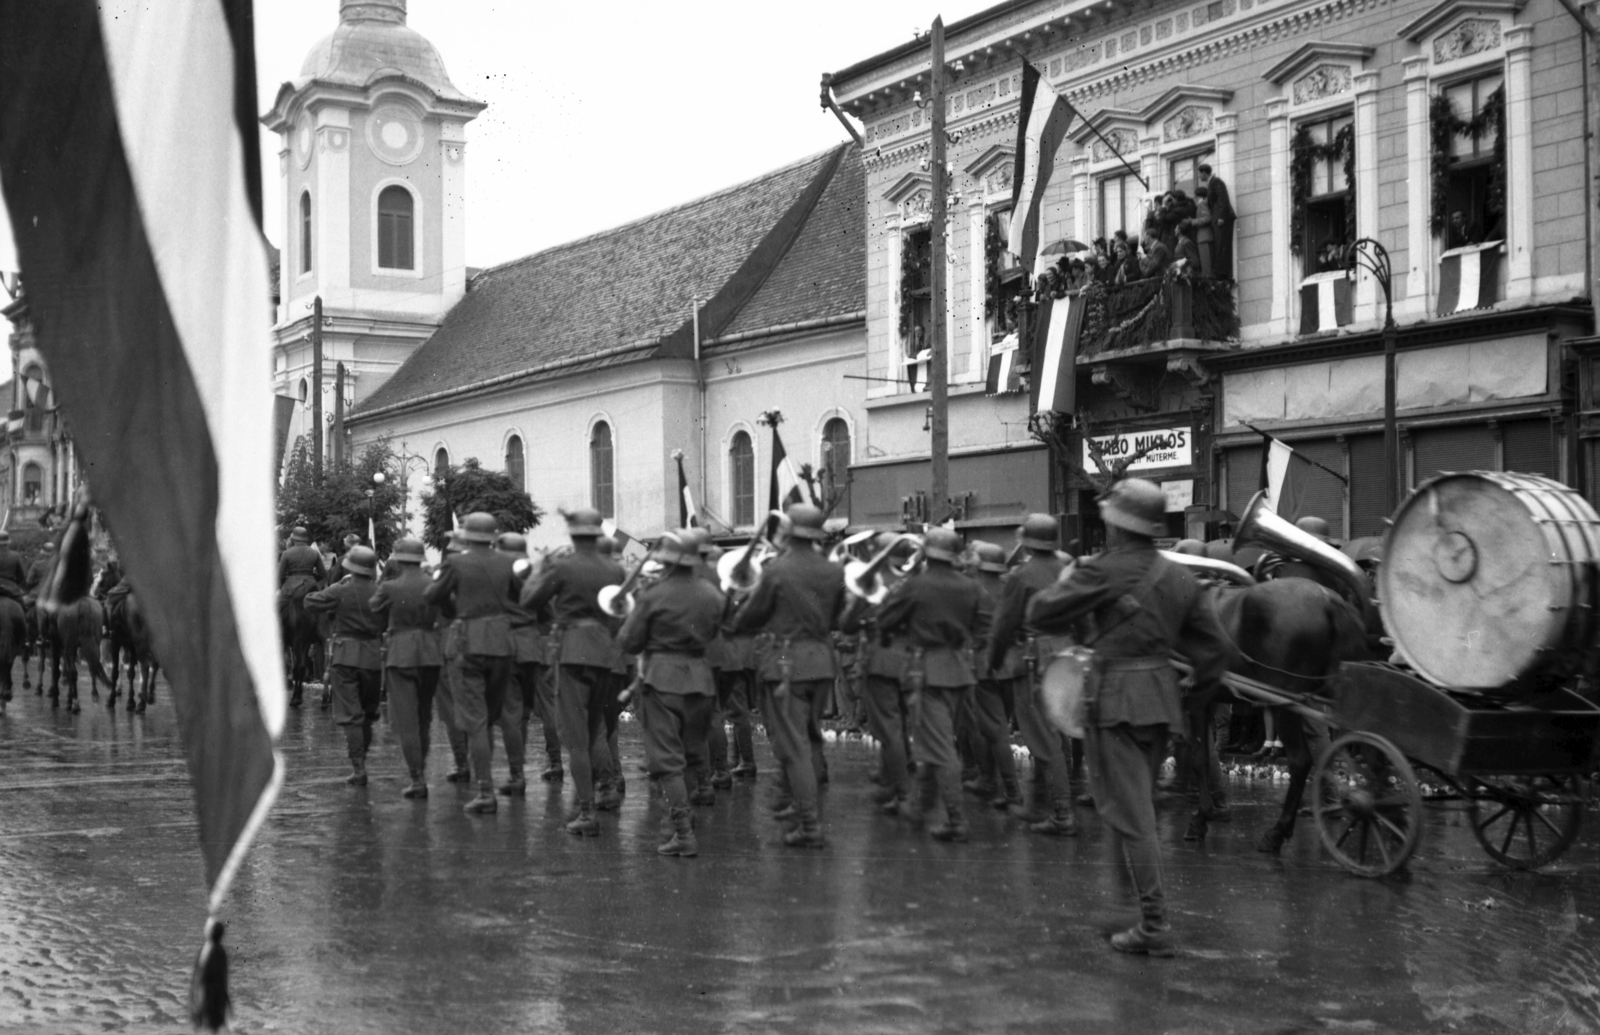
368,175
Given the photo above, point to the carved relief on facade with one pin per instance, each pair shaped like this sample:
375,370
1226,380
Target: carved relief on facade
1123,142
999,180
1188,122
1471,36
918,207
1322,81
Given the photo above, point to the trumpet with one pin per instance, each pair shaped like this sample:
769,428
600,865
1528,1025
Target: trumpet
865,579
739,571
618,601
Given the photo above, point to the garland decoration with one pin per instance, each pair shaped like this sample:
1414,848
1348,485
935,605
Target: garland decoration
909,281
993,246
1306,153
1444,125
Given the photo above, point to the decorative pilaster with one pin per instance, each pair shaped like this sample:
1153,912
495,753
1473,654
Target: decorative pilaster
1283,279
1226,124
1084,225
453,200
1366,127
331,203
1155,170
1519,160
977,281
1419,187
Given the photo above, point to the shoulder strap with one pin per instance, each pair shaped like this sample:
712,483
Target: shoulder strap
1131,603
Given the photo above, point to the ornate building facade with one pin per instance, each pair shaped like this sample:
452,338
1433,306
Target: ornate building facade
39,466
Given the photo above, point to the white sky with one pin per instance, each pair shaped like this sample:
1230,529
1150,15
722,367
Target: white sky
600,113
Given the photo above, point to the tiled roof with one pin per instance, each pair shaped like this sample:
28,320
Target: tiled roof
629,286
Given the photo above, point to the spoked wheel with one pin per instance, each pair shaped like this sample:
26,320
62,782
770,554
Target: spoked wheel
1367,804
1525,822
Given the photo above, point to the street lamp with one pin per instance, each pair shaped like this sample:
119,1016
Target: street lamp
405,460
1373,257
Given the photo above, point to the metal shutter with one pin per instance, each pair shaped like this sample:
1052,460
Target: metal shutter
1367,473
1244,477
1324,494
1530,447
1465,448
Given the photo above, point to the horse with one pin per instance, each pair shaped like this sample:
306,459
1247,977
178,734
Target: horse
129,636
75,630
13,630
302,642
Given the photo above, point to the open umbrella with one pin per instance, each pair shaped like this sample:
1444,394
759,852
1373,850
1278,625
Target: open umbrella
1065,246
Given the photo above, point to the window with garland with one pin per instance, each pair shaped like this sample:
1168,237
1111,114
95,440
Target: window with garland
1468,129
916,295
1323,181
1003,288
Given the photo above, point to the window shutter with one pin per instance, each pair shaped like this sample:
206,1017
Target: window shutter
1244,477
1324,494
1467,448
1367,473
1530,447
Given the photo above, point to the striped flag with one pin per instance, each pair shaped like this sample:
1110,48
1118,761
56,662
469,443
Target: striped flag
1055,350
128,154
1469,278
1005,372
1041,126
785,486
688,513
1285,474
1325,302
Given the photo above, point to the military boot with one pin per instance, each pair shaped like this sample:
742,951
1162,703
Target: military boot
484,804
1060,823
607,797
703,794
583,823
418,788
721,780
1010,794
515,787
460,774
954,827
923,798
553,773
682,842
358,774
808,834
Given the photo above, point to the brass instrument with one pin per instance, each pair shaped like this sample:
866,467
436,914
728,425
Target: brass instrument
1210,568
1261,525
739,571
865,579
845,549
617,601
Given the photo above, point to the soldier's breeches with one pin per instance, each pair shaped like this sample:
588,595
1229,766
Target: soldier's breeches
480,698
1123,761
669,723
1045,743
445,701
355,695
411,694
934,743
788,723
733,699
580,693
886,718
991,715
545,709
514,722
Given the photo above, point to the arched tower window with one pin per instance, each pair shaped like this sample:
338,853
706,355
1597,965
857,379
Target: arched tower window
742,478
32,483
35,397
601,477
441,460
514,465
305,231
836,465
394,228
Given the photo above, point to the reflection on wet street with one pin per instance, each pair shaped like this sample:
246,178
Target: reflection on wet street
362,912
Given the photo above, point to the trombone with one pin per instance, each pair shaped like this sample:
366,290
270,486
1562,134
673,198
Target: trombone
865,579
739,571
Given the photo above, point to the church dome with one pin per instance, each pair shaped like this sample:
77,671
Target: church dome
373,42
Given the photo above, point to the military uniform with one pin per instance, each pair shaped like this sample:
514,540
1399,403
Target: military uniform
671,625
993,700
412,660
356,660
1142,607
882,660
477,587
13,576
300,570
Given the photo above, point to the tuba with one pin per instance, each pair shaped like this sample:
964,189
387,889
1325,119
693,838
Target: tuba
1212,569
1261,525
739,571
865,579
617,601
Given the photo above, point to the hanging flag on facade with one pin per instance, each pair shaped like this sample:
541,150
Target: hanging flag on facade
784,487
1045,116
128,154
1005,368
1325,302
1055,352
688,513
1469,278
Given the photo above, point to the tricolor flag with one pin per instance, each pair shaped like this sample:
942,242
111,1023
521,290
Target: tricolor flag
128,155
1044,116
784,487
688,513
1469,278
1285,475
1055,351
1005,368
1325,302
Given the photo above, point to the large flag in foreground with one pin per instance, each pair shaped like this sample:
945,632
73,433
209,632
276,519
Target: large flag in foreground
129,163
1045,116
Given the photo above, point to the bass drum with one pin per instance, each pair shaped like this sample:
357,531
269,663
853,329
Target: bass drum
1487,578
1065,686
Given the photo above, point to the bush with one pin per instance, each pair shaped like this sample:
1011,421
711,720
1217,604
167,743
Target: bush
459,491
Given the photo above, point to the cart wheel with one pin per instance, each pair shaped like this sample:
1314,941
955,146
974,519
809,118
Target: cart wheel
1367,804
1525,822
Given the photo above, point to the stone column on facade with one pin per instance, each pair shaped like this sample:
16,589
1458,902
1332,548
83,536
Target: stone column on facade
1155,170
1084,226
1366,128
977,282
1419,190
951,262
893,348
331,207
1283,279
1519,161
1226,125
453,218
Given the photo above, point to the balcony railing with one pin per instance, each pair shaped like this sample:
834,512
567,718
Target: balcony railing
1176,307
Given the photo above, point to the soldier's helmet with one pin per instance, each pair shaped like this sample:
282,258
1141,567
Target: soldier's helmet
1137,506
992,557
512,542
299,535
697,540
48,547
408,551
360,560
677,548
1315,526
1041,532
807,522
1190,547
454,545
478,527
351,540
584,523
941,544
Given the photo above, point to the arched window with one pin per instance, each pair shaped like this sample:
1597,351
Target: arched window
394,229
601,474
305,231
514,465
441,460
836,465
32,483
35,397
305,390
742,478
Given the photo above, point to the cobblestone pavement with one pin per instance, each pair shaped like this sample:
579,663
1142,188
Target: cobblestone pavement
361,912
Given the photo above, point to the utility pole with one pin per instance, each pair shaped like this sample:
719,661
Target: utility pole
316,387
939,361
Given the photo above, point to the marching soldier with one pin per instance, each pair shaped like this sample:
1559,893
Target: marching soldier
529,659
411,658
939,612
449,679
610,784
671,624
1051,784
1142,607
476,587
992,701
356,662
883,659
798,603
721,660
584,656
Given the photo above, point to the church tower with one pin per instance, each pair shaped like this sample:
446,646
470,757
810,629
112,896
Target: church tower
372,167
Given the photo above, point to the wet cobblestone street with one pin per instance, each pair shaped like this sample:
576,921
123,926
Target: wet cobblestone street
362,912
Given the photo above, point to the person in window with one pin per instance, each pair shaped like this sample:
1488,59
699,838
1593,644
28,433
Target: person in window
1462,231
1220,205
1331,257
1157,256
919,338
1123,267
1204,233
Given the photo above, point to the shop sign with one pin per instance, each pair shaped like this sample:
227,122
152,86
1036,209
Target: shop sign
1180,494
1161,447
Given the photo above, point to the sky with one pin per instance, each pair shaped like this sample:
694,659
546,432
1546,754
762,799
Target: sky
599,114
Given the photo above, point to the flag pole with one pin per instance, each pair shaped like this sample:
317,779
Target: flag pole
939,361
1271,439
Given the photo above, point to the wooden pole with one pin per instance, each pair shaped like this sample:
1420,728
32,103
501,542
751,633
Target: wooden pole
939,361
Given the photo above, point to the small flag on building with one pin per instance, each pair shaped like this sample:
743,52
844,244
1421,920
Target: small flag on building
1055,353
1005,370
1469,278
688,513
1285,474
784,487
1325,302
1040,130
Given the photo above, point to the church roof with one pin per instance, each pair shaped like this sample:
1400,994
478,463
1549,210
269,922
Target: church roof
373,42
781,248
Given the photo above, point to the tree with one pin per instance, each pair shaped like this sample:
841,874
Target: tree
339,505
459,491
